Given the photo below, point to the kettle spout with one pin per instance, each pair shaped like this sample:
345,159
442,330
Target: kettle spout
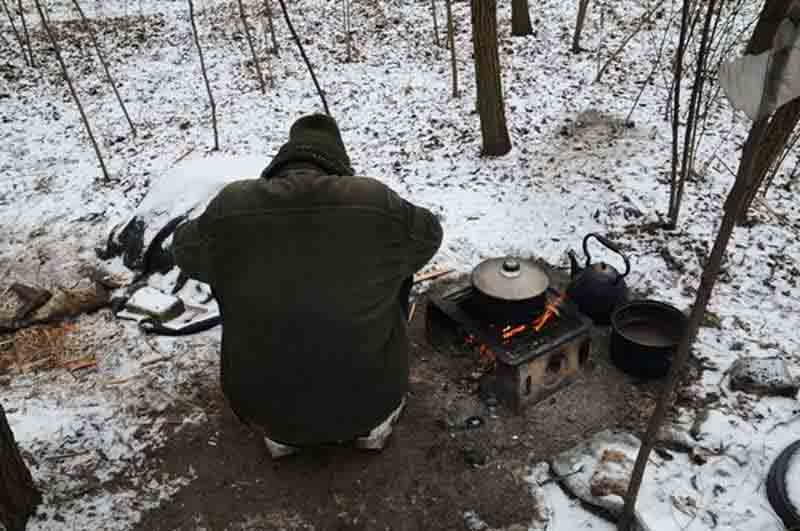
574,266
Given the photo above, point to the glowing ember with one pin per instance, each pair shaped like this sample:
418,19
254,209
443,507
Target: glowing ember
487,357
551,311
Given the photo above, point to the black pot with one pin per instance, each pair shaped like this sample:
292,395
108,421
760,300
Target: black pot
507,312
509,290
644,337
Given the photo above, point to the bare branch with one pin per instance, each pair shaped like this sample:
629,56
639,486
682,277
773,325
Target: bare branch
256,63
270,19
99,51
25,32
435,24
205,75
14,29
303,54
451,42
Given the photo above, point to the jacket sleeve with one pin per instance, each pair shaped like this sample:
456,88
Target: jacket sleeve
191,245
424,232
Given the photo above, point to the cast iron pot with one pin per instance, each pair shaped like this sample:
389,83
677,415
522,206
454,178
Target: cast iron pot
509,290
644,337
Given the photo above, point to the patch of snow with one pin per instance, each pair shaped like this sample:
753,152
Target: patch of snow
401,126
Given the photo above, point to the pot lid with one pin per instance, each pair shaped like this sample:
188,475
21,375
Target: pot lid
510,278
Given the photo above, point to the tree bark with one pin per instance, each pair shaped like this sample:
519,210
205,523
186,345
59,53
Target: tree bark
451,43
103,62
18,495
72,91
733,206
491,106
520,18
583,7
205,76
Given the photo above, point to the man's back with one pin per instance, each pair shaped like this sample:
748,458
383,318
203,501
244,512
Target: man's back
308,270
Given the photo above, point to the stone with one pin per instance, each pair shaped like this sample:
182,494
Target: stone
763,376
597,470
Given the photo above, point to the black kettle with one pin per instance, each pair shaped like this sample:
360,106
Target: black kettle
597,289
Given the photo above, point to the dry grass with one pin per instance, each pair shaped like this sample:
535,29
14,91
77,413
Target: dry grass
43,347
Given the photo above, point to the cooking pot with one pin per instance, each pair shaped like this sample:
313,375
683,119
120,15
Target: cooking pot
597,289
509,290
644,337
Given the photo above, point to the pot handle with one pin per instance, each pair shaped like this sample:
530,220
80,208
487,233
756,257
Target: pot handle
610,245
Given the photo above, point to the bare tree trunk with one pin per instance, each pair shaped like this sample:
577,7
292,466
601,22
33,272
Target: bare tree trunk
347,37
676,108
264,31
583,7
249,37
16,33
435,24
18,495
694,107
105,66
270,19
491,106
733,206
520,18
72,91
25,32
451,42
205,76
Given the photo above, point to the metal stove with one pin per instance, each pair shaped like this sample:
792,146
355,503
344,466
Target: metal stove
529,366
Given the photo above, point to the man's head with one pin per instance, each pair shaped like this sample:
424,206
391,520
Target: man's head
313,139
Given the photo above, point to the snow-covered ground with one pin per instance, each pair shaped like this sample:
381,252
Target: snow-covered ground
574,169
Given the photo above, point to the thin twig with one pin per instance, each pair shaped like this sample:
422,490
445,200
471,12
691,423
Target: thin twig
270,20
644,19
303,54
25,32
72,91
243,17
430,275
103,62
14,29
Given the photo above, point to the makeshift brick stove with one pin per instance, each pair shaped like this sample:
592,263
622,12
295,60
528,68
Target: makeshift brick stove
529,364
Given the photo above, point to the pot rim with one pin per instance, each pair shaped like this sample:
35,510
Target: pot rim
647,303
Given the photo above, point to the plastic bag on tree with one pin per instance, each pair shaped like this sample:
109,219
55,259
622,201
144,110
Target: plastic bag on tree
760,84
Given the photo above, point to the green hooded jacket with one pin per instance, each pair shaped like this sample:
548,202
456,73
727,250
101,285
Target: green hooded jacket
308,270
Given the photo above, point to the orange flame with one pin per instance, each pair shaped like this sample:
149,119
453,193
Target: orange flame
551,311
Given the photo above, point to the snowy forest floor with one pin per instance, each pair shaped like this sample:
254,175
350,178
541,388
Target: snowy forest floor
143,440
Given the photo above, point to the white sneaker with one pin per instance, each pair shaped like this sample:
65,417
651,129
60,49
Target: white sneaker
377,438
278,450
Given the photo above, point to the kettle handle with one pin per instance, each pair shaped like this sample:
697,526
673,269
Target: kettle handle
610,245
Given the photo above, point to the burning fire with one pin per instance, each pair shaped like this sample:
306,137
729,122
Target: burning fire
487,357
551,311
